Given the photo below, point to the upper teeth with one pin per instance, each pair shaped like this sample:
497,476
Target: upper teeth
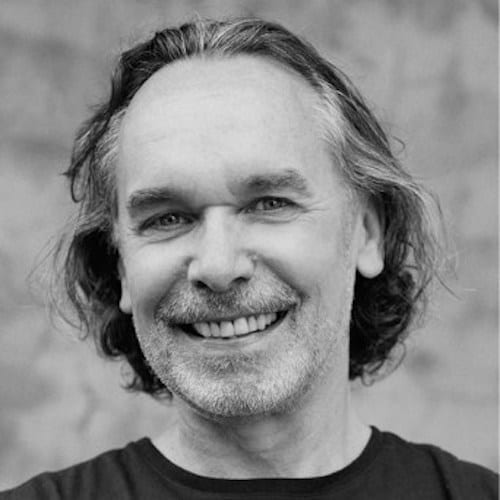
235,327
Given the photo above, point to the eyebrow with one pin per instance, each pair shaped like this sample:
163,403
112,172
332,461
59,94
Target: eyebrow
149,198
289,179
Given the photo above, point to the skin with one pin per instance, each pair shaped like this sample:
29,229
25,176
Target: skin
212,244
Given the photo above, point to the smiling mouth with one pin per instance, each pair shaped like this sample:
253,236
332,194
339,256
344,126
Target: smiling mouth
234,328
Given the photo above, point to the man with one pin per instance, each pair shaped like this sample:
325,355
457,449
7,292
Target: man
248,242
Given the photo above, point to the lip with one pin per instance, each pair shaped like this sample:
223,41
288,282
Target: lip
236,342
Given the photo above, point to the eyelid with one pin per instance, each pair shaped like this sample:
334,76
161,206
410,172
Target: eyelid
149,222
281,199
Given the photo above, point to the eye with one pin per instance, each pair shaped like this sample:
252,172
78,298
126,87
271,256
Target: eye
166,221
269,204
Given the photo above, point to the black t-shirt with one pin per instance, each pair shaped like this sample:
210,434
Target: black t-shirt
389,468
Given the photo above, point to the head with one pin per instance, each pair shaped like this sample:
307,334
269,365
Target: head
233,172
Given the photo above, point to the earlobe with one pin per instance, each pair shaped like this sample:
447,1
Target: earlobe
125,302
370,259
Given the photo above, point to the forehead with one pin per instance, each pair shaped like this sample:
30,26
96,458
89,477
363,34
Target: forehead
238,113
236,77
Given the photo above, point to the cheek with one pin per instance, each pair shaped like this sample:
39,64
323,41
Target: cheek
151,271
311,256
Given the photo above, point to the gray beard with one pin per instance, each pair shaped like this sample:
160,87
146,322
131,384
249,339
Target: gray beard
241,384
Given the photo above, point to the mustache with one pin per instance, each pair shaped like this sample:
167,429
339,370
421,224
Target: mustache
185,303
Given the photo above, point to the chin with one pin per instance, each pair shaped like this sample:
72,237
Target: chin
243,397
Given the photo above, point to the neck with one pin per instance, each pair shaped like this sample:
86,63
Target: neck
314,440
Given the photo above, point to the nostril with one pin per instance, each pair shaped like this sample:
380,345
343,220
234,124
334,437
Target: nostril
218,285
198,284
240,281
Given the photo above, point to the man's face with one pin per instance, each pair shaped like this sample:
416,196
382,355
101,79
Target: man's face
238,240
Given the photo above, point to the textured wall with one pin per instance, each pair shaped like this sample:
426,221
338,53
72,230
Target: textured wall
430,70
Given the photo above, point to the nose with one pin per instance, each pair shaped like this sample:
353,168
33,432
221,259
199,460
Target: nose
220,260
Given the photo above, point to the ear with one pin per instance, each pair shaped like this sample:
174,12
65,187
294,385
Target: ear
370,258
125,302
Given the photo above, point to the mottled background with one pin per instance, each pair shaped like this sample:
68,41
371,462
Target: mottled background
430,70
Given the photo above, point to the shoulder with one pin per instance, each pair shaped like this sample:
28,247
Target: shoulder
459,478
108,474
